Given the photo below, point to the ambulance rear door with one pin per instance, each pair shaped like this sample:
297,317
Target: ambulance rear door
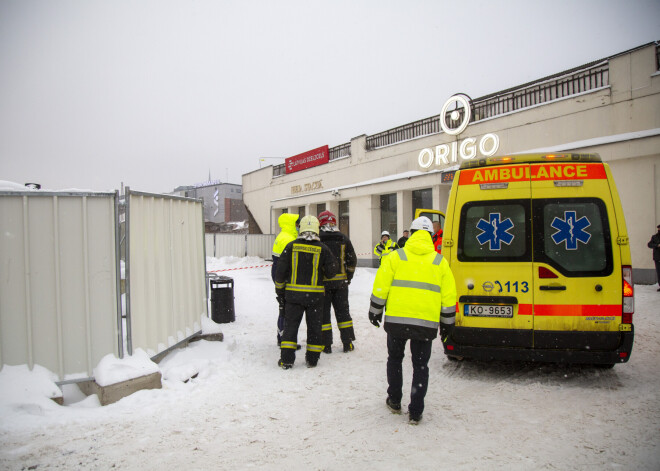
577,274
491,254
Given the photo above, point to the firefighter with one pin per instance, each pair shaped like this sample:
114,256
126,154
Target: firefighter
336,288
416,288
288,231
303,265
437,236
385,246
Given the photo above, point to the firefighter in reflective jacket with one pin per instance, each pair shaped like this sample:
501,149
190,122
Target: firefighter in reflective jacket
288,232
416,288
304,263
336,288
385,246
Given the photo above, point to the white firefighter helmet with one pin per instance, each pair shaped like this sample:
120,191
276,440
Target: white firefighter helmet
422,223
385,233
309,224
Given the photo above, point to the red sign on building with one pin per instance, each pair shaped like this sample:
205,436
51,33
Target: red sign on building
308,159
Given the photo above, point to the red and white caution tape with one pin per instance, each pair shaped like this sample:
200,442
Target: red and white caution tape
239,268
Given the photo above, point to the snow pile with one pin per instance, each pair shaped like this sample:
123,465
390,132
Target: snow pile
112,370
12,186
24,392
19,384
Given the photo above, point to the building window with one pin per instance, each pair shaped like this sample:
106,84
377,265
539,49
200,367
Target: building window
388,214
320,208
422,199
301,211
344,226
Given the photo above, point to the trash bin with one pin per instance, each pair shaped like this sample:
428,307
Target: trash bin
222,300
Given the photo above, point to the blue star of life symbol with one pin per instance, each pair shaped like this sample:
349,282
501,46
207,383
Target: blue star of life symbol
570,230
495,231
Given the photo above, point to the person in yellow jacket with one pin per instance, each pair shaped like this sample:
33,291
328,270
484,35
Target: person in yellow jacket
288,232
416,288
385,247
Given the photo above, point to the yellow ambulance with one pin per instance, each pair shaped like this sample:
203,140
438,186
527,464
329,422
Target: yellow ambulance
539,249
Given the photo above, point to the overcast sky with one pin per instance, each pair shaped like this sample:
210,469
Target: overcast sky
156,94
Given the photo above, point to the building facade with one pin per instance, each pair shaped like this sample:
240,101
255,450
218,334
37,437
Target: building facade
223,202
374,183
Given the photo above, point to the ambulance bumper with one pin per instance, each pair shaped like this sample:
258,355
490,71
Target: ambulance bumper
606,348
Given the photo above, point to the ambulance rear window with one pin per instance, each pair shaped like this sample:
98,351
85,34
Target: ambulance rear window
495,231
575,236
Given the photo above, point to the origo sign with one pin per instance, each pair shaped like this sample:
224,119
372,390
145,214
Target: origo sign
445,154
308,159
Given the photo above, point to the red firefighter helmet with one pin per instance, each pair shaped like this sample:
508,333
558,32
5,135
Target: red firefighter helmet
327,218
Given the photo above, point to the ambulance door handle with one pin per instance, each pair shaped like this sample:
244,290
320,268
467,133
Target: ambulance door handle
552,288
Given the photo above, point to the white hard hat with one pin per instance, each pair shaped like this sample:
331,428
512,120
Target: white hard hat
309,224
422,223
384,233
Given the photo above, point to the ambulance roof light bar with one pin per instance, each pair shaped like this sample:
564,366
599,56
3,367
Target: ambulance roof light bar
529,158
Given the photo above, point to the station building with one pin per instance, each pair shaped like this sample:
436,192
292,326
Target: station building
374,183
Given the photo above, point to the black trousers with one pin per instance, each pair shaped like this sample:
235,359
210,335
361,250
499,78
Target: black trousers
657,271
293,314
280,319
421,354
337,298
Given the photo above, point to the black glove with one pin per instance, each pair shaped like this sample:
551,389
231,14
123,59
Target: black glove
279,293
375,319
445,331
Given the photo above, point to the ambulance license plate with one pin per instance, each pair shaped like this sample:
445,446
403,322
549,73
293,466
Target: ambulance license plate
487,310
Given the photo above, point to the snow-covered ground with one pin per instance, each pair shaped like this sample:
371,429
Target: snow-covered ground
242,411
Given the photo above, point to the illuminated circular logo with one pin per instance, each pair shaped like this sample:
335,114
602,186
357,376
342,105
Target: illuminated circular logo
488,286
458,125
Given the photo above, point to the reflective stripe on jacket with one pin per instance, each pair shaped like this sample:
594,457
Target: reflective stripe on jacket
301,269
384,249
417,289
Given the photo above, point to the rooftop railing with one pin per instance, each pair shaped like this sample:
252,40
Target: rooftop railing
545,90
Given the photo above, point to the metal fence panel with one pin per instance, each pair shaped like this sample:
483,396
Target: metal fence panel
166,270
58,288
209,245
229,245
260,245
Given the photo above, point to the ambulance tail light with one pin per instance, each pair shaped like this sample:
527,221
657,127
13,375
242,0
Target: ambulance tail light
628,295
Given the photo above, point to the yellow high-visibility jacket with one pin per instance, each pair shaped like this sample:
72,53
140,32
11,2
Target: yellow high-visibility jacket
417,289
386,248
287,234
